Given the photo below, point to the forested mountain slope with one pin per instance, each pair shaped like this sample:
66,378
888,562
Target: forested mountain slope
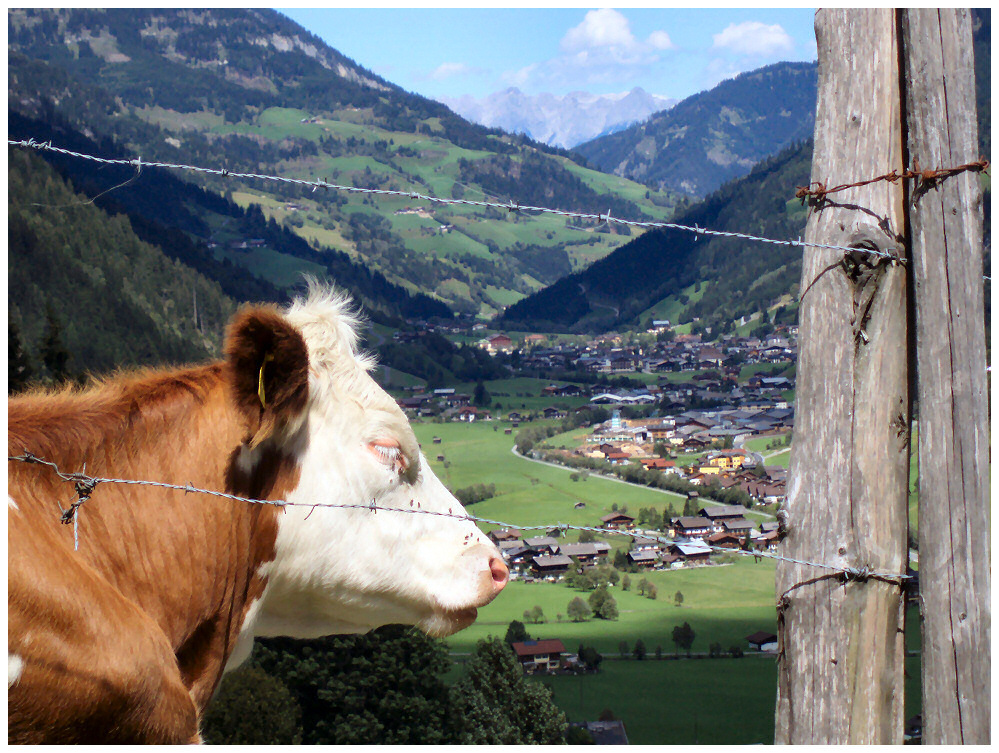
736,277
82,279
716,135
252,91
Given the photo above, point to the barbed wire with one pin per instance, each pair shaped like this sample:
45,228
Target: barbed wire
512,206
816,196
86,484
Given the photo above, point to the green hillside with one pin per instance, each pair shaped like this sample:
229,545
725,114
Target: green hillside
252,91
684,277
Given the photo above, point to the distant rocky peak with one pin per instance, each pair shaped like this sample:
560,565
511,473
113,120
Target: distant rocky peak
559,120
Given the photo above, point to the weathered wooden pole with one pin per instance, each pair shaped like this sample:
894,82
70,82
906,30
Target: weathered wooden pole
840,663
946,230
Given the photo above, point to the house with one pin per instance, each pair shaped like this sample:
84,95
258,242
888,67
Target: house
722,512
542,654
553,565
762,641
469,414
515,555
604,733
639,543
692,551
436,440
693,527
497,344
643,558
584,554
728,459
659,464
737,526
617,520
552,412
727,540
542,544
503,534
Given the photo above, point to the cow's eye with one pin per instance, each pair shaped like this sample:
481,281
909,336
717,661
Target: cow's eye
389,453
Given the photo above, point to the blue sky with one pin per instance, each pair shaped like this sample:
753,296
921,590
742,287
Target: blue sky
451,52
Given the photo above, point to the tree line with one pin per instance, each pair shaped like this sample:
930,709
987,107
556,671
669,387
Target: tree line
387,687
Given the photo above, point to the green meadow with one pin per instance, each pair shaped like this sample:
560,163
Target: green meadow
661,701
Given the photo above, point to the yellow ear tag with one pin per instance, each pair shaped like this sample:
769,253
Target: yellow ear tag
260,380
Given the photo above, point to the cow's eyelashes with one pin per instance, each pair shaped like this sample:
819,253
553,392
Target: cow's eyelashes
390,454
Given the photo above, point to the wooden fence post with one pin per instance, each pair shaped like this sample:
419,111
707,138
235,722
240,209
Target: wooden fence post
946,229
840,663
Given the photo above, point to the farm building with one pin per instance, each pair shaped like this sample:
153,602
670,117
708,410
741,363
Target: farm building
617,520
556,564
762,641
541,654
604,733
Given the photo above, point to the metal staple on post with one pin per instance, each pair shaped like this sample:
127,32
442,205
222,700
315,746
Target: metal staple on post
90,482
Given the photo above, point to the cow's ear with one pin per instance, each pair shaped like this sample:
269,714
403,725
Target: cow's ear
268,370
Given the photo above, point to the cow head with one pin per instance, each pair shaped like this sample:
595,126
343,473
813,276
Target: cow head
320,430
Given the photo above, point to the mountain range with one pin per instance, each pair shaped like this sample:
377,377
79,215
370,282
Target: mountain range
716,135
252,91
563,121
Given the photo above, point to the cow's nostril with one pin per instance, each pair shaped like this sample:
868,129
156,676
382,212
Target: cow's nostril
500,573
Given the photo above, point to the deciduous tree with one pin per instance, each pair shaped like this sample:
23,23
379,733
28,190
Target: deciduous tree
578,610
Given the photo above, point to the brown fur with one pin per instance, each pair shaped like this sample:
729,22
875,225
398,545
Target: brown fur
125,639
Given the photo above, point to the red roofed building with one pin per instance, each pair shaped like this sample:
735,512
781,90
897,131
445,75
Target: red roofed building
497,344
543,654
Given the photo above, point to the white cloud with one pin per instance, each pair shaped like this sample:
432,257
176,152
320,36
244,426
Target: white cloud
600,49
753,38
449,70
600,28
519,77
659,40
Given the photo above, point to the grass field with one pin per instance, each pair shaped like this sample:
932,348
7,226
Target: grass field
527,493
668,701
759,444
709,701
722,603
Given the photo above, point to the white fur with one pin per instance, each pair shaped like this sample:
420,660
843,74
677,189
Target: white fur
244,641
11,504
15,665
350,570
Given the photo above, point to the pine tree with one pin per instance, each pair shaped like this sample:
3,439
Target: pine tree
54,353
18,364
516,633
252,708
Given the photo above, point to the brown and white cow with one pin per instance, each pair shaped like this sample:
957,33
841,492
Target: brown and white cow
126,639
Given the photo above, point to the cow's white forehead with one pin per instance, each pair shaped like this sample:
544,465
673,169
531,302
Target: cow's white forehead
329,323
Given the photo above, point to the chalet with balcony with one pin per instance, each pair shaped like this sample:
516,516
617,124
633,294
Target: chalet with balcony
617,520
544,655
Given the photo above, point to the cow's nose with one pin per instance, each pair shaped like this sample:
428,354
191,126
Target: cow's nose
501,574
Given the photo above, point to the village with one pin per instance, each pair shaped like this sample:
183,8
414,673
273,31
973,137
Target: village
687,541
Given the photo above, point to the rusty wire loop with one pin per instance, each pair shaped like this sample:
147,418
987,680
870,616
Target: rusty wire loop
89,484
816,196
